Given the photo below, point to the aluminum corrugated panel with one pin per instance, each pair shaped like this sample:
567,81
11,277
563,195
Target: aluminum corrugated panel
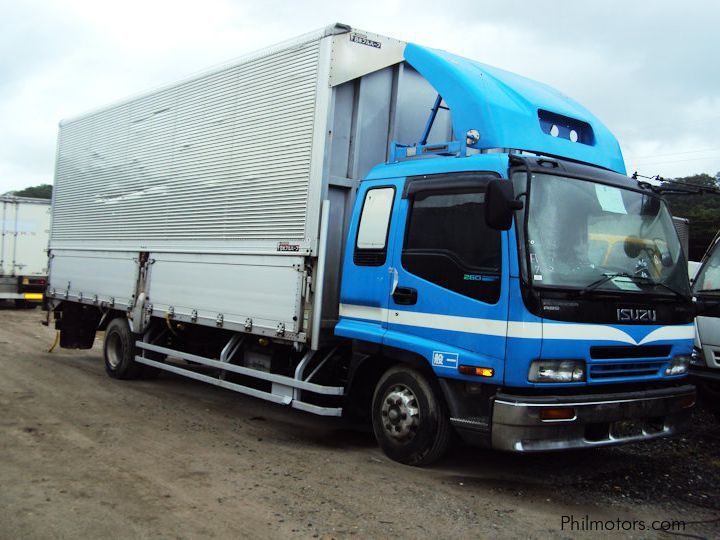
225,156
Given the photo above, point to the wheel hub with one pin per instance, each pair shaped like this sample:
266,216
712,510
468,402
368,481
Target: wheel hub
400,413
114,350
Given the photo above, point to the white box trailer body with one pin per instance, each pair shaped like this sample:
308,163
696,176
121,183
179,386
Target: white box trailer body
23,246
222,181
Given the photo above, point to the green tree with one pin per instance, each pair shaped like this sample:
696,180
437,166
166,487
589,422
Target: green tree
43,191
702,209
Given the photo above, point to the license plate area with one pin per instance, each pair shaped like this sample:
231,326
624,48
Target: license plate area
625,429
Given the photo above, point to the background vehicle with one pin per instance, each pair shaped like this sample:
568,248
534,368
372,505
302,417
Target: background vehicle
23,249
705,367
454,288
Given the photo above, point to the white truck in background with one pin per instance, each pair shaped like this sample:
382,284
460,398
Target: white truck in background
705,362
23,249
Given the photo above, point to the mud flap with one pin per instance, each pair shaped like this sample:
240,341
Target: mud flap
77,325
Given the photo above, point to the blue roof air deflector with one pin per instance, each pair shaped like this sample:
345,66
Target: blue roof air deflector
511,111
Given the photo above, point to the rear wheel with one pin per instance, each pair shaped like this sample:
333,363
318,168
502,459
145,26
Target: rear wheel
410,422
119,351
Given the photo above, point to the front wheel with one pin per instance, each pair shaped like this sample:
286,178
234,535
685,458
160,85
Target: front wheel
410,422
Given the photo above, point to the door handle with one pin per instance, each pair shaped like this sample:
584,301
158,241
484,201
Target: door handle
394,274
405,296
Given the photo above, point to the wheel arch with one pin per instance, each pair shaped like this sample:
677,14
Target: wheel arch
367,366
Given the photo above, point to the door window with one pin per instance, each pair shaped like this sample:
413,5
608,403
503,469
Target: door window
371,246
709,278
448,243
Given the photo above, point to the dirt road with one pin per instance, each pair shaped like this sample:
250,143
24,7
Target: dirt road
85,456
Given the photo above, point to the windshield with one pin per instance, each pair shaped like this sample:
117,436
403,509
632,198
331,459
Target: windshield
583,234
708,279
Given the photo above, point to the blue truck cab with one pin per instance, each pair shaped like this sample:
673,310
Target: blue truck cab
520,287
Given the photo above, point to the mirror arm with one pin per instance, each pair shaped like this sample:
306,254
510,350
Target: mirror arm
515,205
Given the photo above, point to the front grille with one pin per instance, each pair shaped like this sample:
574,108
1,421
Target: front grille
642,351
624,370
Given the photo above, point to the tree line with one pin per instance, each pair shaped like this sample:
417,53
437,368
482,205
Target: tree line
702,209
43,191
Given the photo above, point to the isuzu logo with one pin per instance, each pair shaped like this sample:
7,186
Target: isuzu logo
636,315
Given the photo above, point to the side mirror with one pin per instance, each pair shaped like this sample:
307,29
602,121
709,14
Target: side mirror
500,204
707,306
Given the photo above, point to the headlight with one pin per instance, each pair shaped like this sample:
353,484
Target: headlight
557,371
697,358
678,366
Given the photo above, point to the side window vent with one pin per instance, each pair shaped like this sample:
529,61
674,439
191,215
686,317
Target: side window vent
366,257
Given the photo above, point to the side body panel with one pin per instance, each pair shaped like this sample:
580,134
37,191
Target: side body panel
95,277
203,289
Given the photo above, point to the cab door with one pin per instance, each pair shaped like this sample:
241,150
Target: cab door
448,296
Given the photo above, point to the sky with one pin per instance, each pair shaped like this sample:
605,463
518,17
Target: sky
647,69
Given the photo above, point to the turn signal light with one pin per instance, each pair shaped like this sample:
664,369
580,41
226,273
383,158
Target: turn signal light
557,413
479,371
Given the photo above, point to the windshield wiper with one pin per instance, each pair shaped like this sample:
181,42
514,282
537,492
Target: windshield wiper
607,277
635,279
654,283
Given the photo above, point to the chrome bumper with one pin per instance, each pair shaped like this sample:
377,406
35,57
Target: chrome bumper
598,420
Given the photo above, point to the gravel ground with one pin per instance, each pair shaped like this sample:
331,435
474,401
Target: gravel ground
82,456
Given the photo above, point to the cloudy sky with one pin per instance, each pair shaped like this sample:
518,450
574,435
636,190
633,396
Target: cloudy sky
648,69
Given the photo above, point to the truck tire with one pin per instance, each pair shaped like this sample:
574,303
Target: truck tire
410,423
119,351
